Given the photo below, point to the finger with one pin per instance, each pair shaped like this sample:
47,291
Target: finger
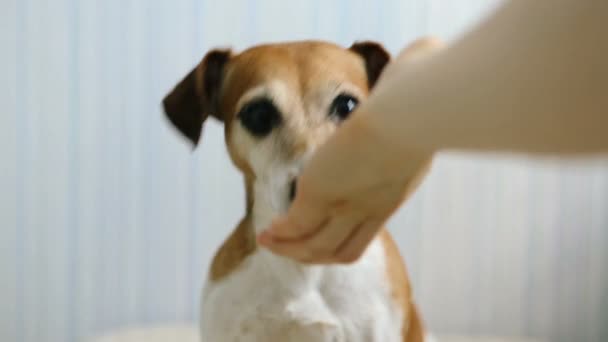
352,249
283,229
324,244
303,218
319,247
287,248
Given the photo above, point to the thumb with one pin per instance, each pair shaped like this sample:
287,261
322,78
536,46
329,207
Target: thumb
304,218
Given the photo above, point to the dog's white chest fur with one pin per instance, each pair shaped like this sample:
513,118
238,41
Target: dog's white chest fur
273,299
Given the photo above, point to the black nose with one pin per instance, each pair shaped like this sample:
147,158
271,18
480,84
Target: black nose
292,190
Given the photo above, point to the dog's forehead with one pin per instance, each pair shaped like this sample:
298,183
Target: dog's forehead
303,67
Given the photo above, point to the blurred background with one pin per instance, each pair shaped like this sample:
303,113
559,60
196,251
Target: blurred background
108,219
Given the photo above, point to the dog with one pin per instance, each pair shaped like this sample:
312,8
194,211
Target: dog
278,103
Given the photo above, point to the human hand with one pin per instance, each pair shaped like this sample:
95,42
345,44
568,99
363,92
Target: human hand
344,196
351,186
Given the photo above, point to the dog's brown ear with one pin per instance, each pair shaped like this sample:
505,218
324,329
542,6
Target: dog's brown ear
375,57
193,99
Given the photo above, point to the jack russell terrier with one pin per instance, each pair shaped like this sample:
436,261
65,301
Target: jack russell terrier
278,103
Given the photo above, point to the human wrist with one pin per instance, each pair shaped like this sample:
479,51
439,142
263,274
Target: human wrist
397,132
390,151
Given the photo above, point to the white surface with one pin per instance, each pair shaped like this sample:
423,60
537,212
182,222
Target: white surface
185,333
161,333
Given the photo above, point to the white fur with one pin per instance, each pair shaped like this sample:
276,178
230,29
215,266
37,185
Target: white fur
273,299
269,298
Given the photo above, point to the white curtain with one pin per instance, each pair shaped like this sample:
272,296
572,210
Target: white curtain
107,218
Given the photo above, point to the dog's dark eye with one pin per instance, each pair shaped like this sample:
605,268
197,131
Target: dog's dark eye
342,106
260,117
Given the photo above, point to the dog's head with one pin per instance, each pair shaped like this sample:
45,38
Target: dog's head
278,102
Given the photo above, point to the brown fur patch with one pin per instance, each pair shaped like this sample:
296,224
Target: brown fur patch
375,58
193,99
397,276
302,65
234,250
413,330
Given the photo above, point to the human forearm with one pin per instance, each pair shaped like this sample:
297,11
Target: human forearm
532,79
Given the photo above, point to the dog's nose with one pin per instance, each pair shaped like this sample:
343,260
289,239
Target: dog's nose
292,189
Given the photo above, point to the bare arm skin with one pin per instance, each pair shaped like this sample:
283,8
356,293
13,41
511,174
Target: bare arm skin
532,79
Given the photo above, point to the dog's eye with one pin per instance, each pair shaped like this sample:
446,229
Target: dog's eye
342,106
260,117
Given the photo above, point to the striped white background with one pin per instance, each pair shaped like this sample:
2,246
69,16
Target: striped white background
107,219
